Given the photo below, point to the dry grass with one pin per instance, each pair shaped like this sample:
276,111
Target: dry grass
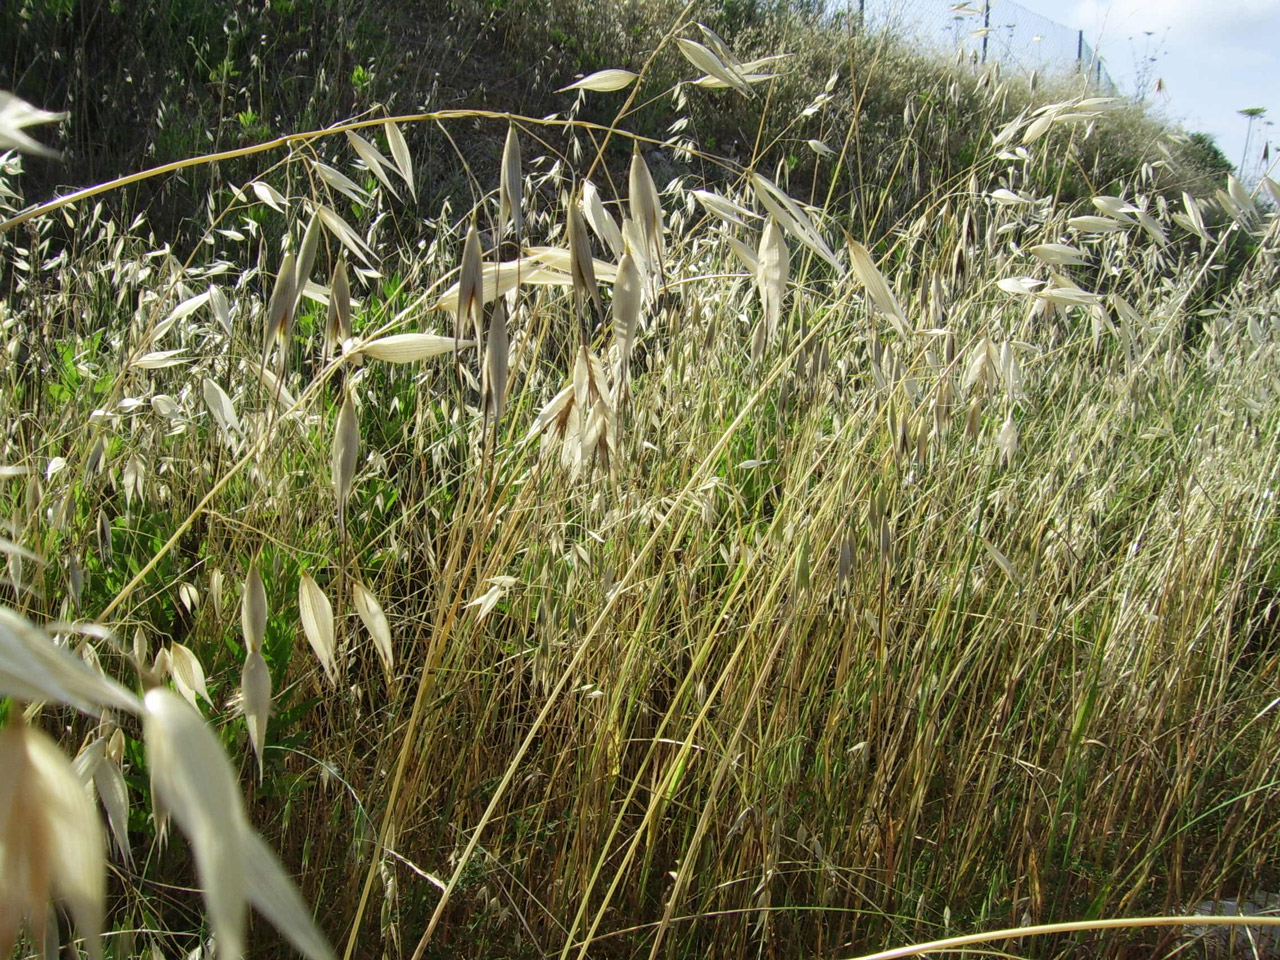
679,576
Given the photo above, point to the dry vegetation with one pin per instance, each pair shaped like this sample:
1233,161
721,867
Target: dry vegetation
631,565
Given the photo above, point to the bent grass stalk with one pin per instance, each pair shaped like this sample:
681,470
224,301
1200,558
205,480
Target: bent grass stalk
1074,926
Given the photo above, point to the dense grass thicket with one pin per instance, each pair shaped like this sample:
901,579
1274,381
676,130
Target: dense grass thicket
146,86
792,500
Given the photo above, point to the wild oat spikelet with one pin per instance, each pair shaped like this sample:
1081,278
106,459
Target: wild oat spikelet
51,840
627,301
15,114
600,220
344,452
582,269
337,324
511,189
280,307
580,419
646,212
470,290
773,268
494,373
316,613
255,701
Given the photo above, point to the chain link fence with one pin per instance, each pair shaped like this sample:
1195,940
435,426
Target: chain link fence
989,31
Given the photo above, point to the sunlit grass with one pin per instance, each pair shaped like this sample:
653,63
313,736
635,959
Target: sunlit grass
909,589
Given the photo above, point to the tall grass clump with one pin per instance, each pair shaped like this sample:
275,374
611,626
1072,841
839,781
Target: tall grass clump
653,551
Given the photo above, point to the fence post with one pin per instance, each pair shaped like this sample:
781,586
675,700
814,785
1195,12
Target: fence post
1079,51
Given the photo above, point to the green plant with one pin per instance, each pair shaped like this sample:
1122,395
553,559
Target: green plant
361,79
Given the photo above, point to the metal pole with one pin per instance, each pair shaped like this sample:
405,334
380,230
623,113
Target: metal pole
986,26
1080,51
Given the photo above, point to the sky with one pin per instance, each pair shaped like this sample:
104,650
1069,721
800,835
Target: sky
1215,57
